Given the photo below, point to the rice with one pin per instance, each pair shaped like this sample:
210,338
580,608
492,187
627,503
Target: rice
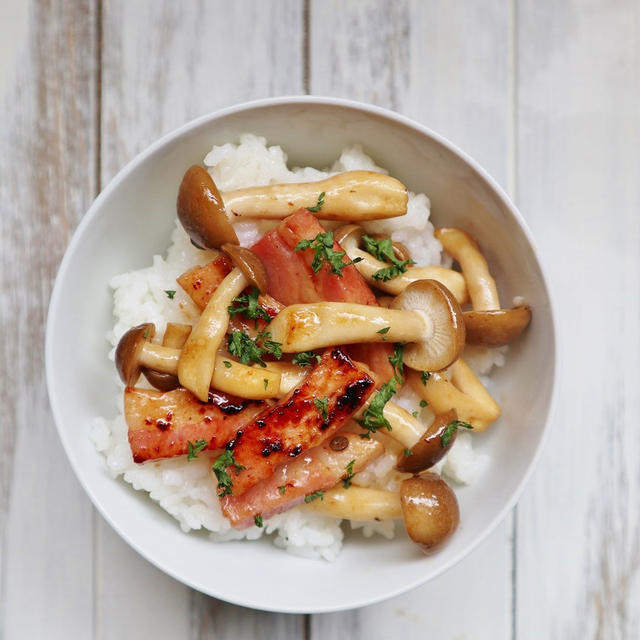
186,489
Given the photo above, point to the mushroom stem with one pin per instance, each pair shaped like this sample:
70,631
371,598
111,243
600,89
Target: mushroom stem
233,377
464,249
358,503
354,195
349,236
304,327
197,359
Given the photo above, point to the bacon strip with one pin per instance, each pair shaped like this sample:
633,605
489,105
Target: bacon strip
296,423
318,469
200,282
160,424
292,280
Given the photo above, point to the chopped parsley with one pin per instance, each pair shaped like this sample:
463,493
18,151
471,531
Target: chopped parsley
414,414
306,358
145,333
247,305
322,405
383,250
447,434
373,417
424,376
250,351
220,466
170,293
266,382
423,403
322,245
407,452
346,481
396,361
282,488
312,496
258,521
194,448
383,331
227,364
318,204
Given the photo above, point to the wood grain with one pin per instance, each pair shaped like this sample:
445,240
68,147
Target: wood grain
416,57
164,63
47,140
579,162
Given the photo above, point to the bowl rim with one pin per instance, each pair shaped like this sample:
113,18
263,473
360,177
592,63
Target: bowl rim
370,109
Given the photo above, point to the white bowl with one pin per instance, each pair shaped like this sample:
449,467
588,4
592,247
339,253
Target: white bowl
132,220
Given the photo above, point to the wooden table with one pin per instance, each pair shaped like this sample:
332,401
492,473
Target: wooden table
545,95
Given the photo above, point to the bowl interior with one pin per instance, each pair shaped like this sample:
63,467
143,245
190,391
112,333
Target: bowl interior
132,220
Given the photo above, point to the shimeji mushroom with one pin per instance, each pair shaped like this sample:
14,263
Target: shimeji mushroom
358,503
175,335
430,510
135,352
425,315
354,195
487,325
463,392
349,237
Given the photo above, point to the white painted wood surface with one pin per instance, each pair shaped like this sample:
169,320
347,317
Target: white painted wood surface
545,95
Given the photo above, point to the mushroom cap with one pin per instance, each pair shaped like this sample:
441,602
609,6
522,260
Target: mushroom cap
429,450
429,509
160,380
445,340
129,349
249,263
201,210
497,327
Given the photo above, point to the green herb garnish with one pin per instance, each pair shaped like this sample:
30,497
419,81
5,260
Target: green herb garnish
322,245
318,204
306,358
170,293
424,376
247,305
322,405
220,466
250,351
312,496
408,452
258,521
414,414
266,382
227,364
194,448
423,403
383,250
373,418
346,481
282,489
447,434
396,361
145,333
383,332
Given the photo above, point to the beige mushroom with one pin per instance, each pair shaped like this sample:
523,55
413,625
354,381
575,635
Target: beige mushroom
349,236
358,503
135,352
427,315
354,195
463,392
487,325
430,510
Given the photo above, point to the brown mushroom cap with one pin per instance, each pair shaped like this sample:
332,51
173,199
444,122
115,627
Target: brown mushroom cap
249,263
496,328
201,210
446,340
129,349
430,510
429,450
175,335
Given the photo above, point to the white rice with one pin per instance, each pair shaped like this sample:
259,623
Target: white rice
186,489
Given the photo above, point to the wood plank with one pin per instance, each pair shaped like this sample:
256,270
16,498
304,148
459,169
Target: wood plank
578,167
47,152
165,63
448,67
